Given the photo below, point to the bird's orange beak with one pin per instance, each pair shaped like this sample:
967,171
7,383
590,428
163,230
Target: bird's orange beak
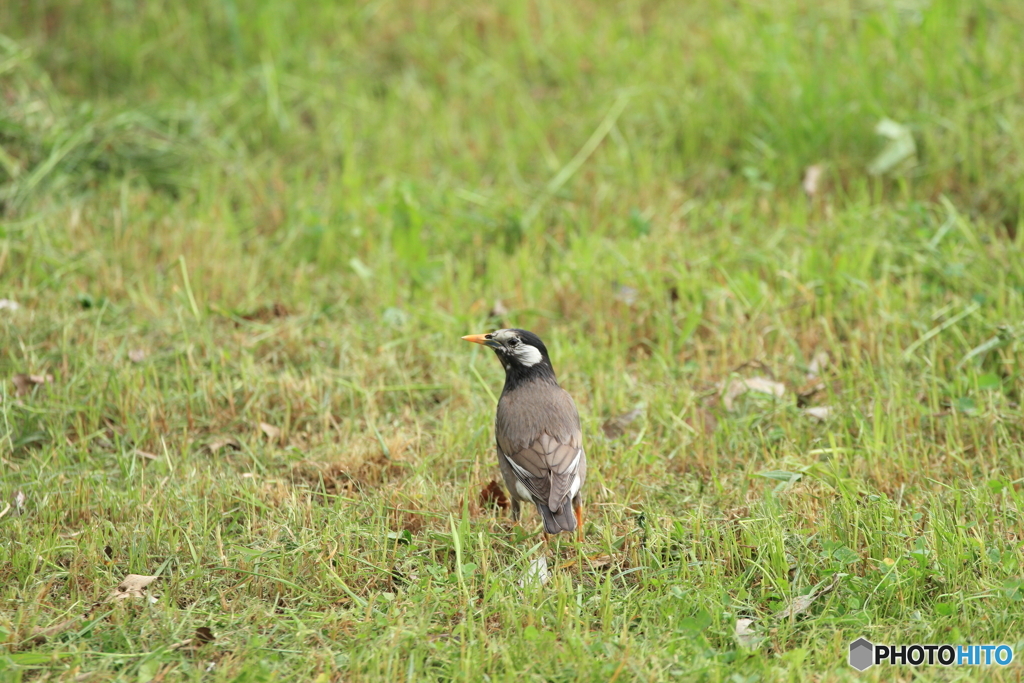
480,339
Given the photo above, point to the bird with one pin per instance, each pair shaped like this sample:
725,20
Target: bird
537,433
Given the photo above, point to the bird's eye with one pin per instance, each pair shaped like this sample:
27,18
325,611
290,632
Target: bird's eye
513,342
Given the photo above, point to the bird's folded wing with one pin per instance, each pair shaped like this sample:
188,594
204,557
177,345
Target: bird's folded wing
529,470
564,462
548,468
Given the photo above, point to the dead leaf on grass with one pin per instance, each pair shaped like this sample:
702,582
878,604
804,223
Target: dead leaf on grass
812,180
493,496
223,442
146,456
592,563
19,503
761,385
819,361
802,603
615,427
132,587
765,386
807,392
272,433
24,383
136,355
8,305
202,636
746,636
601,561
819,413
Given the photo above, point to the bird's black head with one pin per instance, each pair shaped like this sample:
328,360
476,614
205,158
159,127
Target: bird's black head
522,354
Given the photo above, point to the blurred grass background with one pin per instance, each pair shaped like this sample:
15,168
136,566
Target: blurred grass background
217,214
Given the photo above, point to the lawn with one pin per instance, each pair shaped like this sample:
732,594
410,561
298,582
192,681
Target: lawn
772,247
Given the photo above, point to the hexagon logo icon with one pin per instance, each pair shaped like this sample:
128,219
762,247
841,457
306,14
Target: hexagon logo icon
862,654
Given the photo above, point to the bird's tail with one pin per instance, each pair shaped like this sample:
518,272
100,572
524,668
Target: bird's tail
562,519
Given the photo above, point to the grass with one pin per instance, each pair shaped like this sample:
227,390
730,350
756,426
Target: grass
217,215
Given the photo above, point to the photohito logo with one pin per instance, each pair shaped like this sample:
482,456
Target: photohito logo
864,654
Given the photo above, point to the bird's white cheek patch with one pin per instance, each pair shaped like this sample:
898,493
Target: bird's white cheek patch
528,355
522,490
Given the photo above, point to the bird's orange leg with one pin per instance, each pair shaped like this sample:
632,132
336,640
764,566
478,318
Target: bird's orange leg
577,510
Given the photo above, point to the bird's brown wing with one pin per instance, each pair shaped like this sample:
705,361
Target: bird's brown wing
538,432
